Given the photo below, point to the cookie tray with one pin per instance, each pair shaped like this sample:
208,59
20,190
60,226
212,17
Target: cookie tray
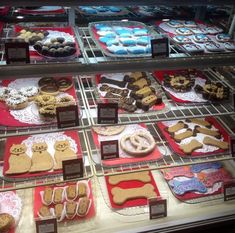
151,32
153,110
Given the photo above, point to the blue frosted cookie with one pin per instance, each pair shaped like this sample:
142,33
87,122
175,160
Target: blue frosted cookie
114,9
101,8
124,32
136,50
89,10
196,168
109,41
201,38
182,39
223,37
140,32
127,41
118,50
98,26
109,34
189,23
143,40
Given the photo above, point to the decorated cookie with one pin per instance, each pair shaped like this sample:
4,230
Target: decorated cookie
184,31
110,34
175,23
140,32
118,50
196,168
230,46
127,41
190,185
223,37
190,24
209,179
213,30
143,40
136,50
193,48
201,38
214,47
124,32
197,30
182,39
170,173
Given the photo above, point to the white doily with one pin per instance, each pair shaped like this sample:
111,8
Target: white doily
24,82
199,137
190,95
128,130
11,203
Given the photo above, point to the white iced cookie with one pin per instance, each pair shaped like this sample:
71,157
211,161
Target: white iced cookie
29,92
17,102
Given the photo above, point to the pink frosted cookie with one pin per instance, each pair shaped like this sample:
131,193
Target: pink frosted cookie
170,173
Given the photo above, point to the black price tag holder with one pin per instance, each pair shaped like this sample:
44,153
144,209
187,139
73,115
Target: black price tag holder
160,47
107,113
229,190
48,225
17,53
232,146
157,207
72,169
109,149
67,116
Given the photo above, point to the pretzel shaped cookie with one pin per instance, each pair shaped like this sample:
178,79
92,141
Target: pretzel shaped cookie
120,195
138,144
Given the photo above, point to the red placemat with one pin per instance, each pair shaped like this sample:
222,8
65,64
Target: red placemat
175,147
4,10
38,202
105,100
128,185
34,54
159,75
60,10
7,119
153,156
18,140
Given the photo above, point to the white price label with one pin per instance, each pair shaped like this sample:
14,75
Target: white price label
47,228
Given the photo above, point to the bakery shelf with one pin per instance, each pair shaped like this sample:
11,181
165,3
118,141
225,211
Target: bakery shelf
175,111
122,3
94,61
84,120
7,183
169,158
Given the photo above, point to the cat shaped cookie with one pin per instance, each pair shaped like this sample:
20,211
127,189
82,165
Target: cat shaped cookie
19,161
63,152
41,158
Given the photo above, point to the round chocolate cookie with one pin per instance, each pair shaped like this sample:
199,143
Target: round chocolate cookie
64,84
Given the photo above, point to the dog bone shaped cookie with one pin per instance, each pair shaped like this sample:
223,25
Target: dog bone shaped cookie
209,179
190,147
213,142
181,136
120,195
196,168
214,133
199,122
178,126
140,176
169,174
142,143
181,187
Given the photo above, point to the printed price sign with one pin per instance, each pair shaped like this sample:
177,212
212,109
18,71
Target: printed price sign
17,52
72,168
160,47
67,116
109,149
107,113
229,191
46,226
232,145
157,208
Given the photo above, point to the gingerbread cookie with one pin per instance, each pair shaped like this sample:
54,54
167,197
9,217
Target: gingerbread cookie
190,147
58,195
44,211
199,122
41,158
120,196
71,209
47,196
19,161
63,152
59,209
210,132
71,192
178,126
140,176
82,189
181,136
213,142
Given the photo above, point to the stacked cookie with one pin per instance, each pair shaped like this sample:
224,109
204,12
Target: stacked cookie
65,202
49,88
